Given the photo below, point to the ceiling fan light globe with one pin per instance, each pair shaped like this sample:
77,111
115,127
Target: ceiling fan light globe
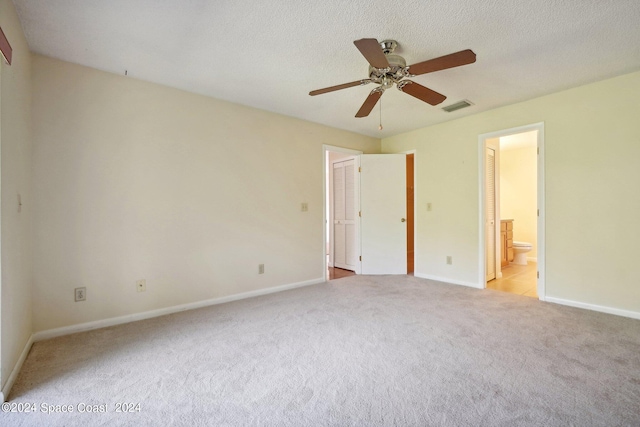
396,61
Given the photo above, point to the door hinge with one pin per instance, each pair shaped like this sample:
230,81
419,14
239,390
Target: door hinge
360,257
359,169
538,274
538,212
359,213
538,150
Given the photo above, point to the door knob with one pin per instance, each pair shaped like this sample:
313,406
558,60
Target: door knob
403,220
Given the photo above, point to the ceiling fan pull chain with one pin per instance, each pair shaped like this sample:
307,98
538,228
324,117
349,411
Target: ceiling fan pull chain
380,126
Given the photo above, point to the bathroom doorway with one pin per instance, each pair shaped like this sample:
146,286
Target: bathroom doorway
512,210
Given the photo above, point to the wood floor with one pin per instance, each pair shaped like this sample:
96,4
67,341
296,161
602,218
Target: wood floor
338,273
517,279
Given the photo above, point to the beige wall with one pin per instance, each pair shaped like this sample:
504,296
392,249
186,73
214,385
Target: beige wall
519,192
15,134
134,180
592,140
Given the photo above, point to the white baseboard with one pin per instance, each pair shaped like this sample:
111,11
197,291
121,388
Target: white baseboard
81,327
447,280
16,370
594,307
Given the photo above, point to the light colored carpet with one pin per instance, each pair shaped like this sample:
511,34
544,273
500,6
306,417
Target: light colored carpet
363,351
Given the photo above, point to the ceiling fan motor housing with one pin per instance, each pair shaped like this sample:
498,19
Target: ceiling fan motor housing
395,72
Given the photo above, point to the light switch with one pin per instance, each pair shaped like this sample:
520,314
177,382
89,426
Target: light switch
305,207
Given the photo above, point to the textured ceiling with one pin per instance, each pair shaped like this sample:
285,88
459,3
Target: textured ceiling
270,54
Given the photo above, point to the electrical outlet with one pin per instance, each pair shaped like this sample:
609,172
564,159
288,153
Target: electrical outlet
260,268
81,294
141,285
429,207
305,207
449,259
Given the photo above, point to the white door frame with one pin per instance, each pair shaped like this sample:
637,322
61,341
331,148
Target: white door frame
541,288
325,165
496,189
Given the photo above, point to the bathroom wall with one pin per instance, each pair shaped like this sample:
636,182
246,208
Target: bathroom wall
518,193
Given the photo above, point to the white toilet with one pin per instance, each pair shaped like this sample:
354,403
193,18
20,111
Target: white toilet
520,250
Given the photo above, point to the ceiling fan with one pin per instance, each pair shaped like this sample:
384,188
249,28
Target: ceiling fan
387,69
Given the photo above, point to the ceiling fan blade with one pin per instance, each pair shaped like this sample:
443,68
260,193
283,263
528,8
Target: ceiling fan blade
422,93
457,59
371,50
369,103
338,87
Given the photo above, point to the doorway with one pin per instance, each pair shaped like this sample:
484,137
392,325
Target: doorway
382,250
512,210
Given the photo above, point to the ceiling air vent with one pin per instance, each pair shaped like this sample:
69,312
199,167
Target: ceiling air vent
457,106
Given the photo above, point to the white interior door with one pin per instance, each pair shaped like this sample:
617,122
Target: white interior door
344,215
383,206
490,215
